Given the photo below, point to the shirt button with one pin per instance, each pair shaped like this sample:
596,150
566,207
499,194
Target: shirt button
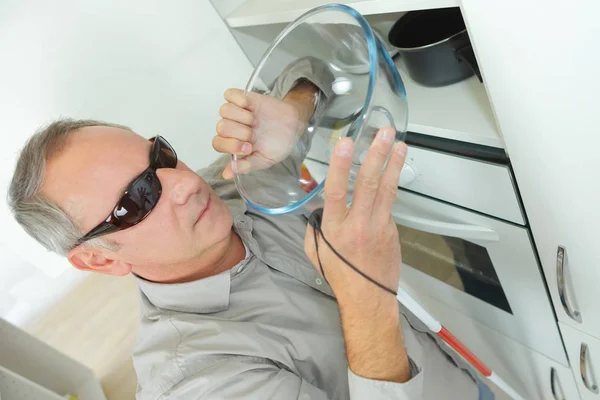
318,281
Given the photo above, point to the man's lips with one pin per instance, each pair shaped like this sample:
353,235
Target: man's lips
204,210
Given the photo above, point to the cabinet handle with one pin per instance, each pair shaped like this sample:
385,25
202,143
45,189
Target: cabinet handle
592,387
561,255
553,380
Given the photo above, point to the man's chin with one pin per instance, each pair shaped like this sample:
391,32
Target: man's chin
218,227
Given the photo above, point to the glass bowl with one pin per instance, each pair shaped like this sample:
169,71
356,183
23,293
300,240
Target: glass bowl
361,91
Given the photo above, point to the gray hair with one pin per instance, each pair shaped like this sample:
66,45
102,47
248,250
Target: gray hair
41,218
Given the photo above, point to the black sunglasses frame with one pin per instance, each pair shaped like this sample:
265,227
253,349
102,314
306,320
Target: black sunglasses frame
114,223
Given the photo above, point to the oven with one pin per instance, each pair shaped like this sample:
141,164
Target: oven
481,266
465,242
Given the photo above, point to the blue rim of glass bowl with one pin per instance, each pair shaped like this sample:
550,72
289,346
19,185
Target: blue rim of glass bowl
372,46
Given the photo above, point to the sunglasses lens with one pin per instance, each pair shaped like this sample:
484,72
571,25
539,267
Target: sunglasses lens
139,200
167,158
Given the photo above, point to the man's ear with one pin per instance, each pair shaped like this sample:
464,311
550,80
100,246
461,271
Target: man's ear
98,260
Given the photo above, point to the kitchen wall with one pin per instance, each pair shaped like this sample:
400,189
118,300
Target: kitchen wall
137,63
27,292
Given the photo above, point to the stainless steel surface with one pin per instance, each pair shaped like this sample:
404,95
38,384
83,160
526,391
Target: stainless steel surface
553,381
583,363
561,256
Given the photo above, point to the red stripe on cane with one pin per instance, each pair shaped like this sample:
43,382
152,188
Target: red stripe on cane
463,351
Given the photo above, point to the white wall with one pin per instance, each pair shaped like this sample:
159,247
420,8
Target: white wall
26,292
159,67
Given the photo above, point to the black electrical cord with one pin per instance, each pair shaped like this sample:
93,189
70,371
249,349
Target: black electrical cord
315,221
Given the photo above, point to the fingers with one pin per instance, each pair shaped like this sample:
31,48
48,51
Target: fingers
336,183
234,130
231,146
237,97
235,113
231,129
367,181
388,184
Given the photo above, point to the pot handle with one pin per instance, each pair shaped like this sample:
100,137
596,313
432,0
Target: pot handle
466,54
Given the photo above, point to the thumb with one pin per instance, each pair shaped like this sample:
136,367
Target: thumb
242,166
228,171
252,162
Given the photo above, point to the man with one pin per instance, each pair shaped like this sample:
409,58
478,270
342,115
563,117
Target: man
231,307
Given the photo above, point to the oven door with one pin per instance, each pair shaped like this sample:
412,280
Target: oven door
483,267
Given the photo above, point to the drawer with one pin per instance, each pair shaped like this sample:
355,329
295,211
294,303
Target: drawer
533,375
477,185
584,356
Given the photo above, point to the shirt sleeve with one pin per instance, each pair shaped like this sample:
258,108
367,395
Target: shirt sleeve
238,378
434,373
363,388
308,68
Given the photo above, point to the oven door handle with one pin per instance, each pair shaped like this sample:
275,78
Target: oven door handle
451,229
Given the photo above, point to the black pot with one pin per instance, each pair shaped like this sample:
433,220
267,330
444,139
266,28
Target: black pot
435,46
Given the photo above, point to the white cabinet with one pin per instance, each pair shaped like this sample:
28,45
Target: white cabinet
259,12
16,387
30,369
584,354
459,112
534,375
546,104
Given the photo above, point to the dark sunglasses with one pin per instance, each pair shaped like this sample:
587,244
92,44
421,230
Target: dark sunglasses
141,196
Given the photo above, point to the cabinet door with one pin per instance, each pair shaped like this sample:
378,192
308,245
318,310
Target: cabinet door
533,375
42,369
546,107
584,354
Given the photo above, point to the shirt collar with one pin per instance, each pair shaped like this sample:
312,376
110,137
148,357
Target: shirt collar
203,296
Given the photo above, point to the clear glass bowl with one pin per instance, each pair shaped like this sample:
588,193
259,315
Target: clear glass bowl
333,47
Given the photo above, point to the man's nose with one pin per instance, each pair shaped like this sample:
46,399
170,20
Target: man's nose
178,185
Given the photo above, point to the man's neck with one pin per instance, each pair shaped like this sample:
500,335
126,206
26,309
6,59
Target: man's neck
235,253
221,258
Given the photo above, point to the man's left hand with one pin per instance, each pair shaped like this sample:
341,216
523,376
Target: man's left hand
262,129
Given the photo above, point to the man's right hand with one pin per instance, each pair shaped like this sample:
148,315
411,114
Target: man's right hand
365,234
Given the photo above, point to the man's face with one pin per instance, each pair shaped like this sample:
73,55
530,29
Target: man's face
88,177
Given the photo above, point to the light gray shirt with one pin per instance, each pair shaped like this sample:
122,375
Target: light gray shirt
269,328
